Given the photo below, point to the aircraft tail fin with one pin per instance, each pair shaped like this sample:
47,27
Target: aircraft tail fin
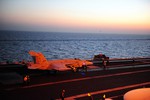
39,58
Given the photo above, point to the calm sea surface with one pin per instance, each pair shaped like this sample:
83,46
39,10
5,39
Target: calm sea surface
14,46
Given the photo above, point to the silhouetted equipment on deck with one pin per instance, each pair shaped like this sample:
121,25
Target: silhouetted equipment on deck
100,57
12,73
18,68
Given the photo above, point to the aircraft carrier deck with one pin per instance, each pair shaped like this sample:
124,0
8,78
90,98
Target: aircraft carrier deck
114,82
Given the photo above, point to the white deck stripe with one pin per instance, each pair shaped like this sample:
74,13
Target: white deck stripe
86,78
104,91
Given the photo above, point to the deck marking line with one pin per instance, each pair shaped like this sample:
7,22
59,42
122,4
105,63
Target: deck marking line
80,79
104,91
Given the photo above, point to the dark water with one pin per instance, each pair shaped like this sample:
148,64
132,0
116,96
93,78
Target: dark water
14,46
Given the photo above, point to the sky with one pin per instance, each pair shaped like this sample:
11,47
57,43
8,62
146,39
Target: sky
83,16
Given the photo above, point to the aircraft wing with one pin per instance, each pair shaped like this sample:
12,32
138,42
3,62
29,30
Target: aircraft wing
58,67
37,66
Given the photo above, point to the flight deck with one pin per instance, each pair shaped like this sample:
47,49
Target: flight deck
113,82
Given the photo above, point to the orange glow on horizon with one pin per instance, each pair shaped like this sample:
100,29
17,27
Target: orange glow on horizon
75,22
97,22
98,15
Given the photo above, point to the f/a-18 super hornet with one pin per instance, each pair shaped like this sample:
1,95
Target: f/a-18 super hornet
41,63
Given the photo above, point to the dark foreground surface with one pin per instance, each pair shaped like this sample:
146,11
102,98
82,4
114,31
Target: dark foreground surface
113,83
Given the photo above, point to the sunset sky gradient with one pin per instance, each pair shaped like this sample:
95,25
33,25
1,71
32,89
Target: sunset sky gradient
85,16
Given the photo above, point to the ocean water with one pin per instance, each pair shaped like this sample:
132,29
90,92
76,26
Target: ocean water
15,45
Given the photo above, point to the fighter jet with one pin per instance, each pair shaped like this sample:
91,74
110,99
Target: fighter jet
41,63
